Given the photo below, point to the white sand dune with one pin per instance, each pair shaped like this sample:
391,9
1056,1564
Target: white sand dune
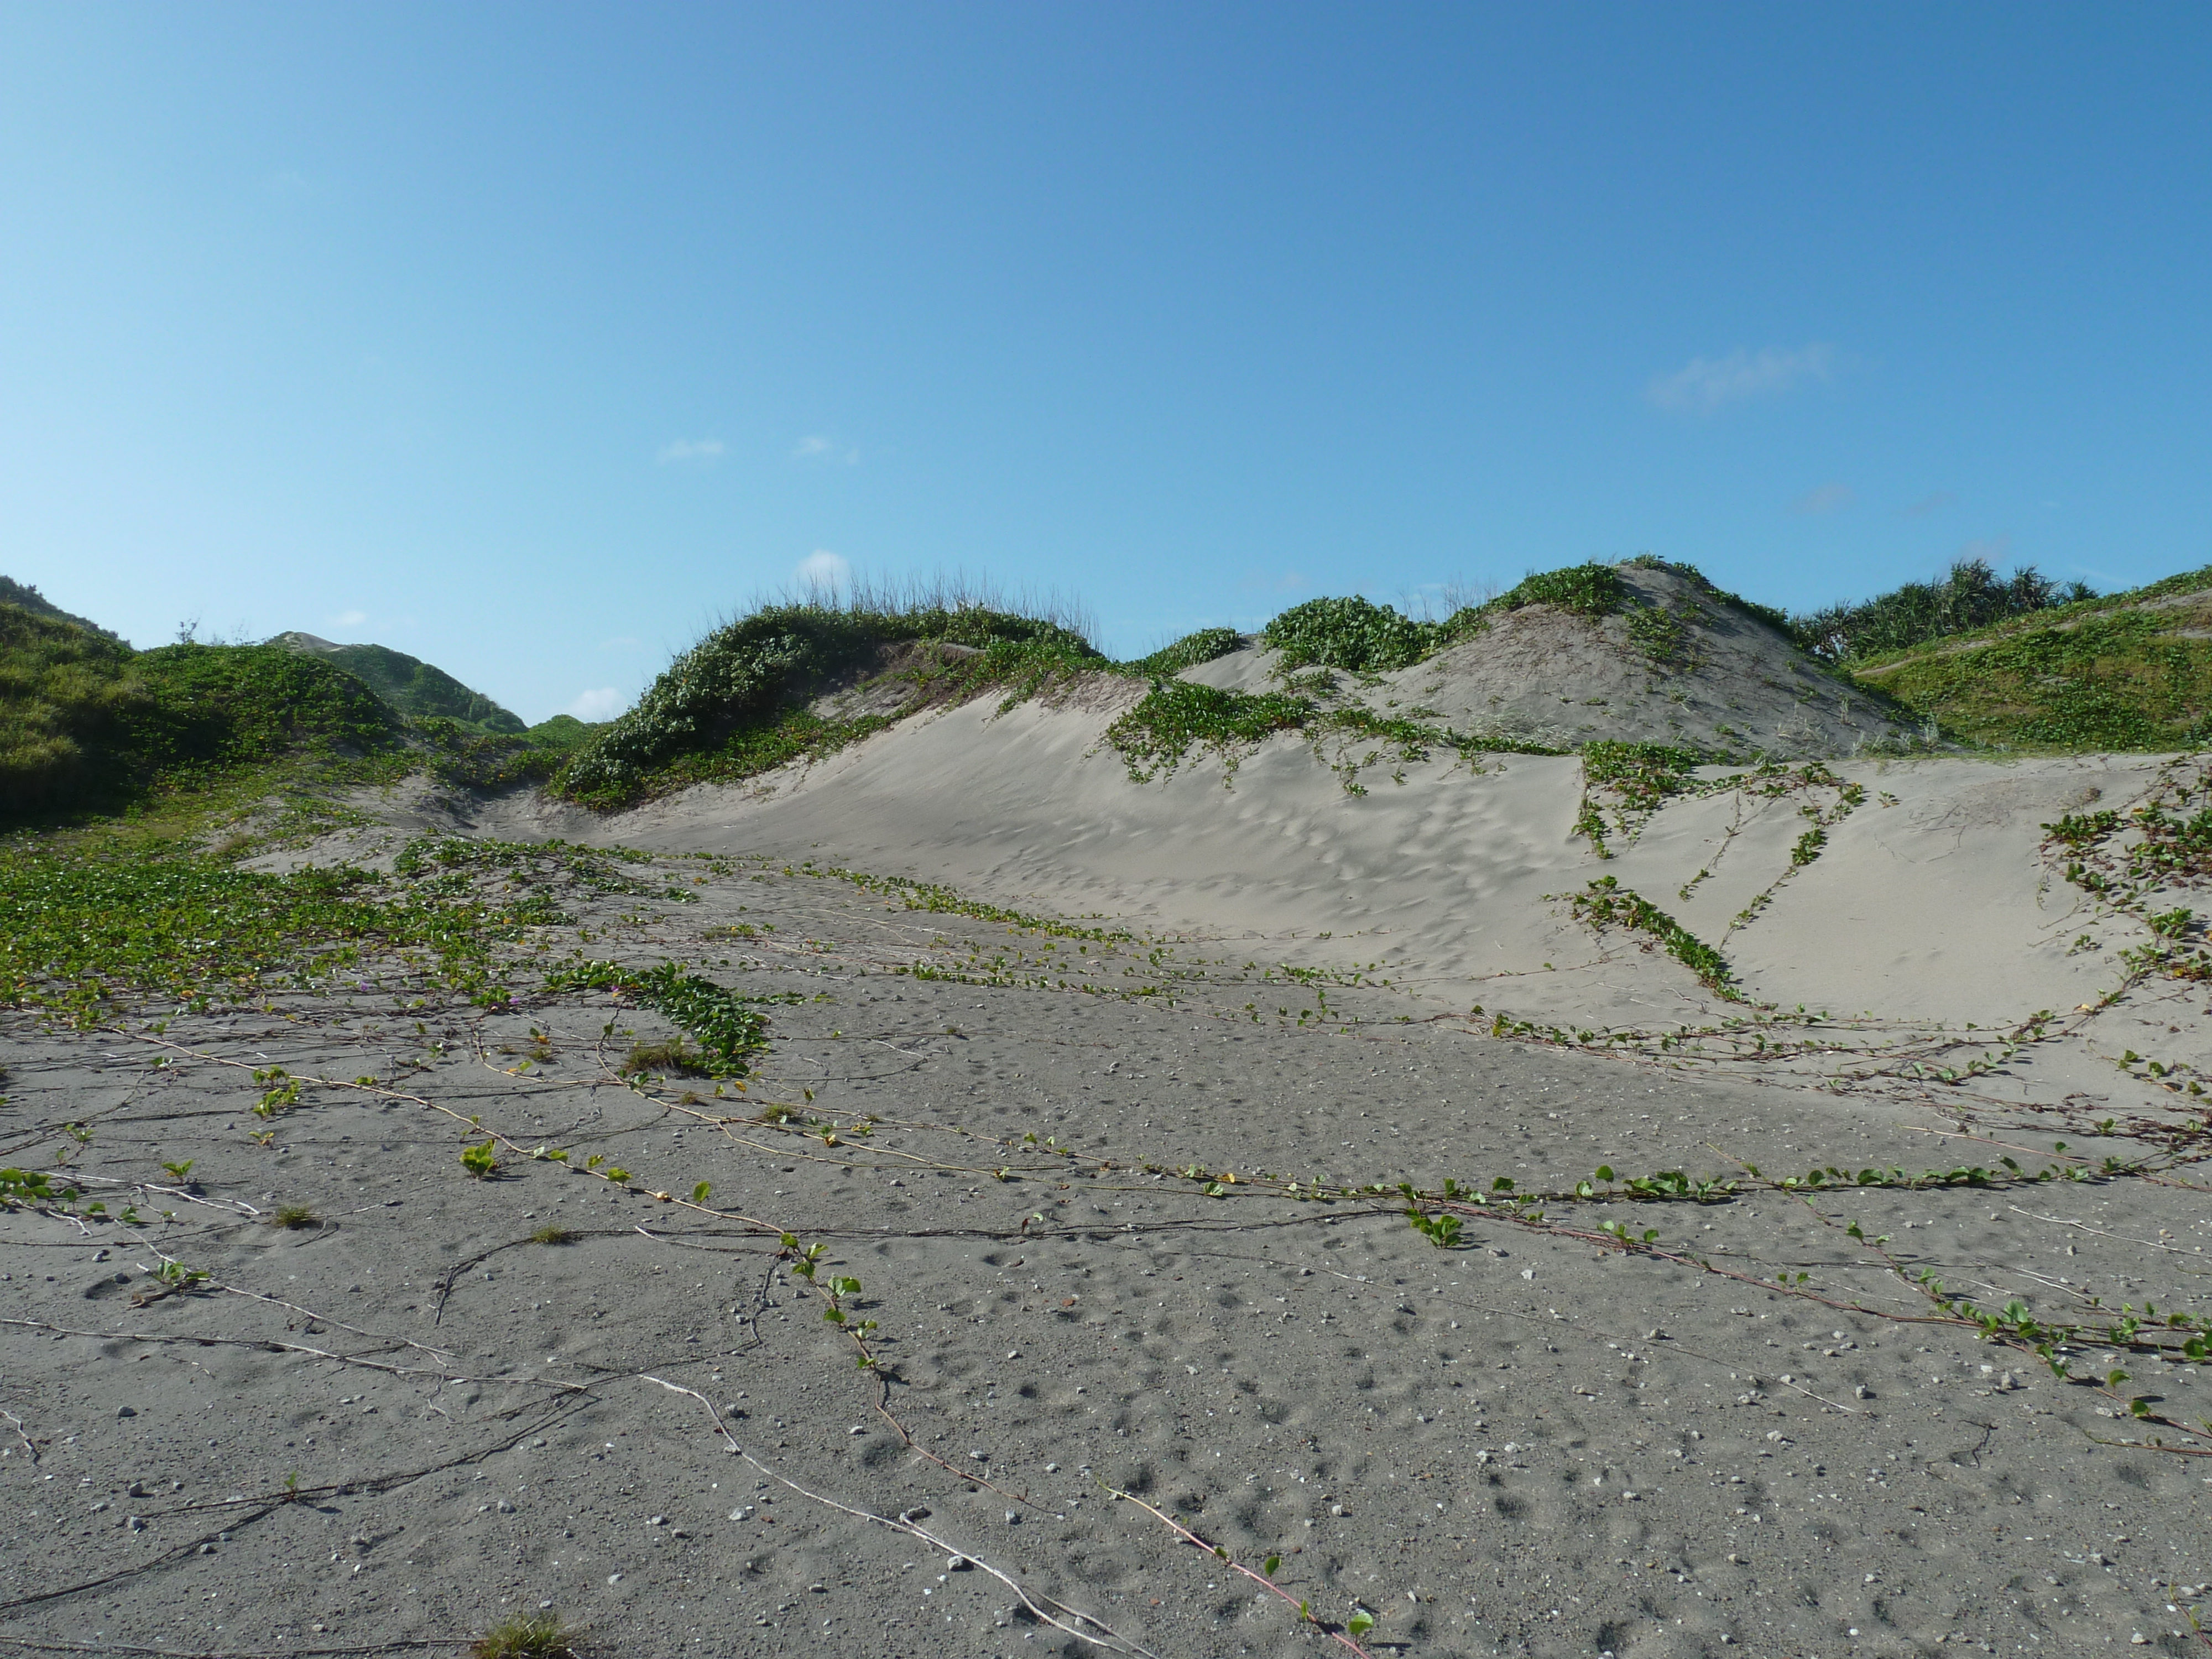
1931,900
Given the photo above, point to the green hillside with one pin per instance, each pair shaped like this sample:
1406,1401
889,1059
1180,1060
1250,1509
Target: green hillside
87,724
2122,671
410,685
15,592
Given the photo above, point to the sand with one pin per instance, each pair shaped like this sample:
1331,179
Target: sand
1533,1442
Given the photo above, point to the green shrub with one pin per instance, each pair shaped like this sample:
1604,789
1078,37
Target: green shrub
414,687
2119,681
1187,651
1588,590
1351,634
1175,716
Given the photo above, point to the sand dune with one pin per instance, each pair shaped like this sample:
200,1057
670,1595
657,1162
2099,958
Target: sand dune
1121,1194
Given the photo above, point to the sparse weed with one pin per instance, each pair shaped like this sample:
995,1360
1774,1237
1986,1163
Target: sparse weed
295,1217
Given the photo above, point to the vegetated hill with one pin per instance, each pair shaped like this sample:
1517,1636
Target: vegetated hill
410,684
29,597
87,724
1646,652
2124,672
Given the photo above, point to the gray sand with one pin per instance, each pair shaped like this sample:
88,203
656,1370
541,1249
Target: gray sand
1533,1442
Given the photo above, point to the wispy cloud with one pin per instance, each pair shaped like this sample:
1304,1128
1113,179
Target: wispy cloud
1992,550
1705,384
1935,501
816,447
603,704
1829,498
690,449
822,568
349,619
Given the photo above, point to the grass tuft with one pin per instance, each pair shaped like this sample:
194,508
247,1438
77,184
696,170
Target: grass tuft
673,1057
550,1234
295,1217
529,1635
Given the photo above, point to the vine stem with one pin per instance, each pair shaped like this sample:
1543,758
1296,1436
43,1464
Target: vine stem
1108,1637
1235,1565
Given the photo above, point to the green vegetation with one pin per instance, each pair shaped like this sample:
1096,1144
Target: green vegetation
87,723
2115,672
15,592
408,684
86,920
1187,651
1606,903
1354,634
528,1636
562,733
89,726
1588,589
1158,735
729,1032
733,705
1970,596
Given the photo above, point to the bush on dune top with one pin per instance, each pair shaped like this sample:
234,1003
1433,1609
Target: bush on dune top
728,707
1366,638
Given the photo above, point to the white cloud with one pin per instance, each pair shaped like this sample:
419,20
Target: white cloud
349,619
1934,501
1705,384
822,568
815,447
1992,550
1829,498
603,704
690,449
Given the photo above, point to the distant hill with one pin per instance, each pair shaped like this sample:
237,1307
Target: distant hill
410,685
15,592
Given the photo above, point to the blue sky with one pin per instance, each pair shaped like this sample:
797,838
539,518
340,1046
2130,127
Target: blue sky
533,338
